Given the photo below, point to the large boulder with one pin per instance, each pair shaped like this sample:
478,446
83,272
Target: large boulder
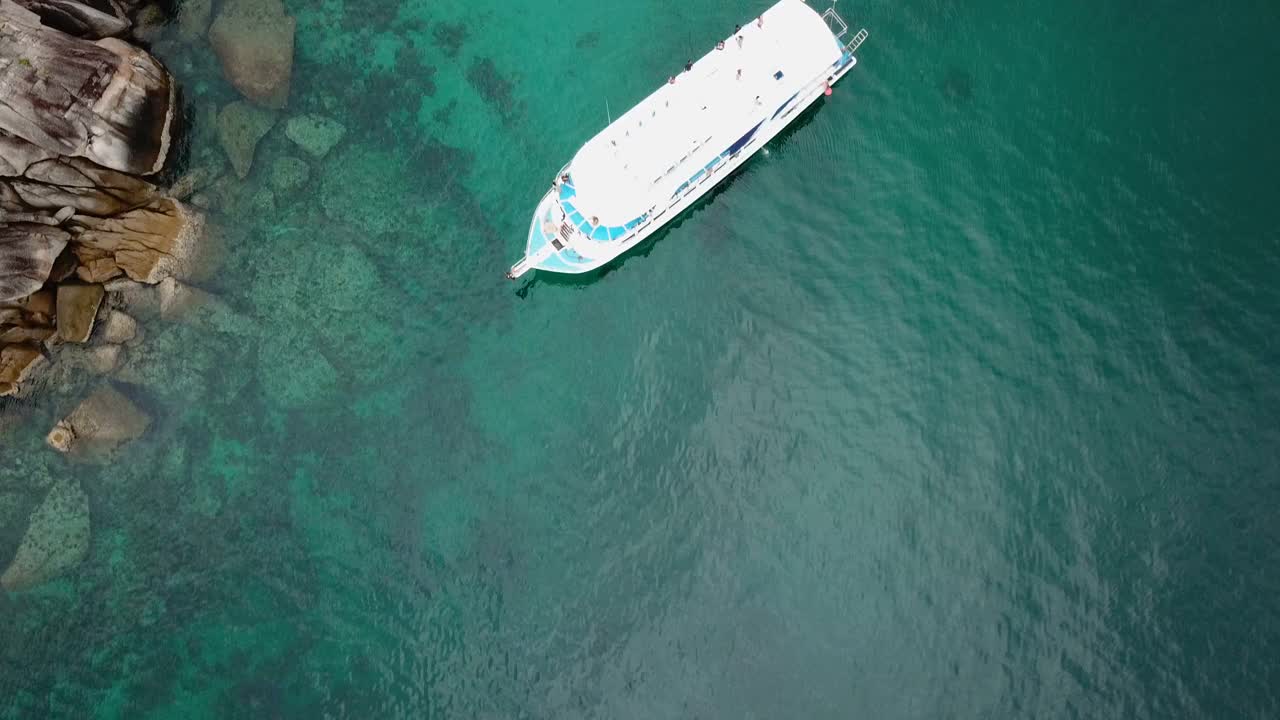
315,134
150,243
254,41
35,179
240,127
89,19
27,252
77,310
106,101
57,538
105,420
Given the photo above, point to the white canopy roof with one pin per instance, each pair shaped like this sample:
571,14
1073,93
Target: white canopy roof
643,156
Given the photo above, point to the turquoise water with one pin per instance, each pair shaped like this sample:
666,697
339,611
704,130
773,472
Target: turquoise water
962,401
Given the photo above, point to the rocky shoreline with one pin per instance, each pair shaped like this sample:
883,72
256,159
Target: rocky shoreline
93,244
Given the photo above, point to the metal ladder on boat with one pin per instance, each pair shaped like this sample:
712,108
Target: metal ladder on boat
840,28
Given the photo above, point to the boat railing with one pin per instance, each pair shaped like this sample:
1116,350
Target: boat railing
840,28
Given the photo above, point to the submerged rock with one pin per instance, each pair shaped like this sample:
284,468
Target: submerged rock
77,311
192,306
148,22
105,420
178,301
289,173
293,372
254,41
94,359
240,127
315,134
193,18
140,300
192,181
118,327
57,538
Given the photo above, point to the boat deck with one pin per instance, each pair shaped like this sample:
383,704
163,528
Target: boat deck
648,149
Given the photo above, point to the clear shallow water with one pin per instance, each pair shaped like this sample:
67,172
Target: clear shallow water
963,401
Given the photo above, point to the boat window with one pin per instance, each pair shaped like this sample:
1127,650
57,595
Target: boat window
784,105
777,75
742,141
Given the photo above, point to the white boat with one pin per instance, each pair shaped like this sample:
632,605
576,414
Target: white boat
656,160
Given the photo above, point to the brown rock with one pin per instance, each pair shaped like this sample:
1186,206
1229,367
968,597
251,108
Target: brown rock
16,333
148,244
77,310
17,362
105,420
254,41
29,320
61,437
38,303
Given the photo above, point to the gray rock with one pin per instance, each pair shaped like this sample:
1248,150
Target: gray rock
240,127
104,100
117,327
27,252
193,18
57,538
315,134
93,359
88,20
289,173
139,299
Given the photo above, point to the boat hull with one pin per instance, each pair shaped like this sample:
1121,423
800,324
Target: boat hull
555,243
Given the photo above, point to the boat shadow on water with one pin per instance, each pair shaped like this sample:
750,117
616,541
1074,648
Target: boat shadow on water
775,144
